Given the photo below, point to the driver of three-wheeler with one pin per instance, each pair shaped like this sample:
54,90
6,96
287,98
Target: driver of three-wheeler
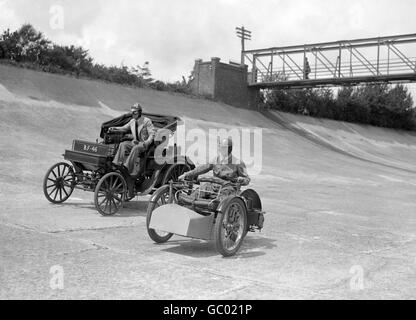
225,167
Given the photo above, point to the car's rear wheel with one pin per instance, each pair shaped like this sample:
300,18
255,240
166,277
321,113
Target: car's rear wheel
230,227
160,198
59,183
174,172
110,194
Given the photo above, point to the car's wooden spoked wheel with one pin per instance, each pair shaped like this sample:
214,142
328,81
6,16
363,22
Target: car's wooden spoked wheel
161,198
230,228
110,194
174,172
59,183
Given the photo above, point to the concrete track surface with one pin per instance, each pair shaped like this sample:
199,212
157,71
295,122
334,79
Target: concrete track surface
340,199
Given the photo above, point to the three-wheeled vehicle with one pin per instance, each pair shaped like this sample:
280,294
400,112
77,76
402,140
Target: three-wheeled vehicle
90,167
186,209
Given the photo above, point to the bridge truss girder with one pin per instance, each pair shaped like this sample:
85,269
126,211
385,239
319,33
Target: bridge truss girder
347,62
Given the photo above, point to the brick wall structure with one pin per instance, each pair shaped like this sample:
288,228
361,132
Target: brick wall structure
227,83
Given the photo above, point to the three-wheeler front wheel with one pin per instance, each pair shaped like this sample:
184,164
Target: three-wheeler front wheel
231,228
59,183
110,194
160,198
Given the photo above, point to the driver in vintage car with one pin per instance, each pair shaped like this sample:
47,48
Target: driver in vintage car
225,167
143,131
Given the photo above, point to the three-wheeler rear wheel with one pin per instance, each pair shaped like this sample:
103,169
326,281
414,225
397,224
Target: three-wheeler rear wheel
59,183
110,194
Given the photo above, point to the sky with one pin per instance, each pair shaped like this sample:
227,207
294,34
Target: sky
172,34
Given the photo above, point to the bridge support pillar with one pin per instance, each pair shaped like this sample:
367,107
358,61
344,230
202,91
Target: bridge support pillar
227,83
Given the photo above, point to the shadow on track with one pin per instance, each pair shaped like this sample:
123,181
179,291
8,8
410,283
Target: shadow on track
130,209
252,247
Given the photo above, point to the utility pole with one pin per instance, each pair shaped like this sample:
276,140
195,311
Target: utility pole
244,35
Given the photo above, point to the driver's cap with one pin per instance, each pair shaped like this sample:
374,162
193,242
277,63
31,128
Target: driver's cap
136,107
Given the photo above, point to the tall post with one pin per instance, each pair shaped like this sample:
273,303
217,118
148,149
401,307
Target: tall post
284,64
244,35
388,58
243,48
340,61
378,58
305,76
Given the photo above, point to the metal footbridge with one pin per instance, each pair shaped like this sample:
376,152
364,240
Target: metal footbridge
346,62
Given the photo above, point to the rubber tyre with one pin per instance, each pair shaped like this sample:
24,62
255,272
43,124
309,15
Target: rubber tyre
154,204
219,229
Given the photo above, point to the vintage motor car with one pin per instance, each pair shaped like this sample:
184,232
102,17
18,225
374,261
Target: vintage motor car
186,209
90,167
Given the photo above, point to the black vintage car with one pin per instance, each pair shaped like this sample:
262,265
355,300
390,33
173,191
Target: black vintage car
90,167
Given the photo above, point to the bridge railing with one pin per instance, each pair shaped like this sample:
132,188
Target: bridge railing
350,61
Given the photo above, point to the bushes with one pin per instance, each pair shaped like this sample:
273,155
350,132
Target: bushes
29,48
24,45
375,104
178,87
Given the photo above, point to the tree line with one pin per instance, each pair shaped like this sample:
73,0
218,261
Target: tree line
375,104
29,48
382,105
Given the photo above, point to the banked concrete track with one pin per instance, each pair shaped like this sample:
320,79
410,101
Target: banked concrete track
340,200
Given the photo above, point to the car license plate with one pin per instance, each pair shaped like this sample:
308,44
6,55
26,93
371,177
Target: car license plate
91,148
